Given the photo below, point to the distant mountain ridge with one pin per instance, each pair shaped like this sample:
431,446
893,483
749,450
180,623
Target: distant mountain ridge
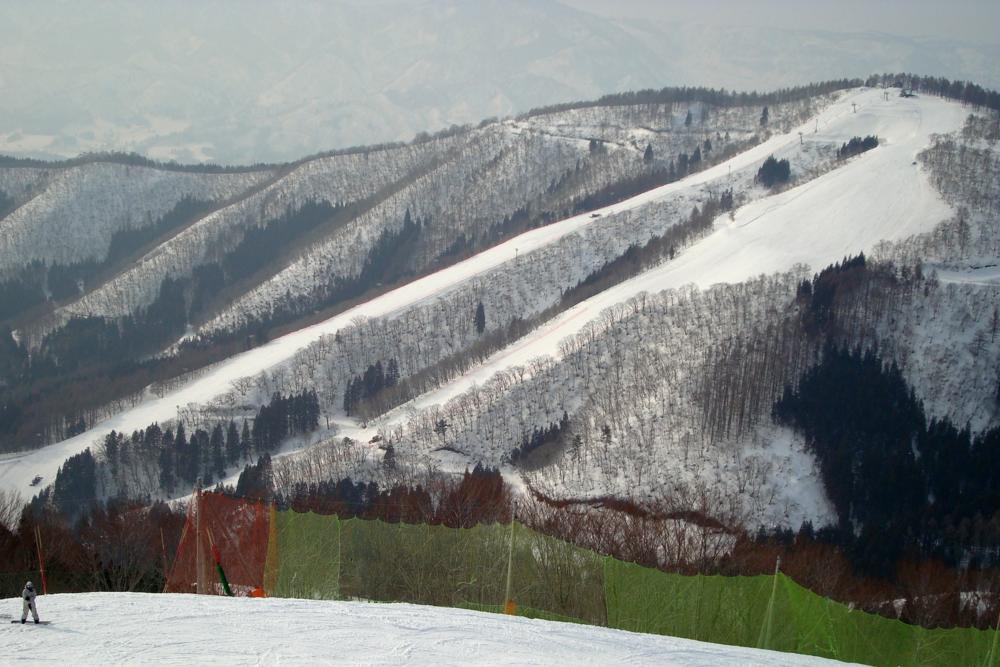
276,81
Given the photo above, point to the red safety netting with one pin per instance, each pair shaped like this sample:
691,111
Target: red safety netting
239,529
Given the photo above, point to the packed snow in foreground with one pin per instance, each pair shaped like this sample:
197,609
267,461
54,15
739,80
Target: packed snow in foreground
150,629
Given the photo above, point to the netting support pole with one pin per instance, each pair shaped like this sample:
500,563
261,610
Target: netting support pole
41,560
166,567
993,644
510,607
765,630
199,549
340,555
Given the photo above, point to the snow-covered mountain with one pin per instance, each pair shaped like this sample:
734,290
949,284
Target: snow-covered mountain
67,215
464,187
604,300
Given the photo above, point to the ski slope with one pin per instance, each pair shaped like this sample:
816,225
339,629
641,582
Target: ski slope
878,195
148,629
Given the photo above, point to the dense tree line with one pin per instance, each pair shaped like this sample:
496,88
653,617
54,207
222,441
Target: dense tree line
478,496
6,204
388,262
961,91
774,172
22,291
123,545
259,244
856,146
131,159
818,295
209,454
620,190
40,403
369,384
117,545
151,459
115,352
38,282
719,98
539,437
42,387
902,484
283,417
75,486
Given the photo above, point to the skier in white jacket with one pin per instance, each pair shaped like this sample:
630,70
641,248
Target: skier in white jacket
28,602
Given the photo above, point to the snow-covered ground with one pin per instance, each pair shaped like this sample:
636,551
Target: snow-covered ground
149,629
879,195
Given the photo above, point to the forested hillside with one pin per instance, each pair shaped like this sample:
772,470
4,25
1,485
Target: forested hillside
223,269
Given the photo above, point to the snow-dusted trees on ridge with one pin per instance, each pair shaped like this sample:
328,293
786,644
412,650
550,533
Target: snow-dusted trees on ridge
336,180
672,391
79,208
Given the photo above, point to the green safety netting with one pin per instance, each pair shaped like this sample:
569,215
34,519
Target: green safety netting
316,556
774,612
526,612
305,562
564,580
724,610
805,622
421,563
467,567
321,557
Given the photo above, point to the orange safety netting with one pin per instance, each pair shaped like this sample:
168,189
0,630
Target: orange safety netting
239,529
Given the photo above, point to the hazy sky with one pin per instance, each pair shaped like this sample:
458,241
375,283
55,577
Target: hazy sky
965,20
269,80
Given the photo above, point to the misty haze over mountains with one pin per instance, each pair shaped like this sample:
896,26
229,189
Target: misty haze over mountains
276,81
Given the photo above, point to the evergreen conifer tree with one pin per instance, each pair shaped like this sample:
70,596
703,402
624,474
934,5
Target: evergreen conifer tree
232,443
181,455
480,319
246,441
218,457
